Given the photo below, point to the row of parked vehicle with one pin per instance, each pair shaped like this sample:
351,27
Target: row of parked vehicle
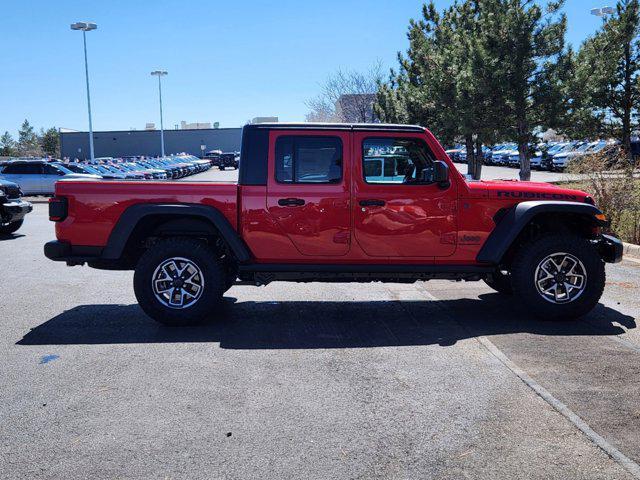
38,176
552,156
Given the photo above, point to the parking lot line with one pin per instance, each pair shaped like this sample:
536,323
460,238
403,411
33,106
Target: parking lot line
628,464
632,467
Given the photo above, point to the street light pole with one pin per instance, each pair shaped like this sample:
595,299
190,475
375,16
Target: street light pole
87,27
160,74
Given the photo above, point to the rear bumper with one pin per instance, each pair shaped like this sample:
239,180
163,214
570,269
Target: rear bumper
14,210
74,255
610,248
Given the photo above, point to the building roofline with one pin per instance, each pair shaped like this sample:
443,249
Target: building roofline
153,131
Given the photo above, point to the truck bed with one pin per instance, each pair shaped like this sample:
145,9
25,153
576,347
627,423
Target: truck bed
95,207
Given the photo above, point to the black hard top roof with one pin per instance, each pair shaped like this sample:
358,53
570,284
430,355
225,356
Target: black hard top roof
337,126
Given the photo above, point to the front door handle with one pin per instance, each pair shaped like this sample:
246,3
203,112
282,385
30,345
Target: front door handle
372,203
291,202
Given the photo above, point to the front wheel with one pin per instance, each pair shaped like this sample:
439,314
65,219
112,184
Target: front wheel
9,228
559,277
179,282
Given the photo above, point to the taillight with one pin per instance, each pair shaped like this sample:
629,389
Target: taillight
58,209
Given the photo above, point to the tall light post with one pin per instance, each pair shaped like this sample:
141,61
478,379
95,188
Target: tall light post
87,27
160,74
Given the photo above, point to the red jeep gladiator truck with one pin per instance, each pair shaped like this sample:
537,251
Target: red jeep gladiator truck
336,203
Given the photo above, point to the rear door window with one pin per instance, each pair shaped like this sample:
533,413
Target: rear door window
302,159
23,169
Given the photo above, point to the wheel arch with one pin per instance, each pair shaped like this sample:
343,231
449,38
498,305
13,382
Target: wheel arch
527,219
142,221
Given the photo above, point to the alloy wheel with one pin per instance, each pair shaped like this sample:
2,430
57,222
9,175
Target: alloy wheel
560,278
177,283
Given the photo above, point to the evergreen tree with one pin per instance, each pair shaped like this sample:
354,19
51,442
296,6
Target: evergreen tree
437,85
7,145
606,89
526,45
480,69
27,140
49,142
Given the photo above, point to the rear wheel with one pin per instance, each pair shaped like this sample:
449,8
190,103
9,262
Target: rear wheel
559,277
9,228
179,282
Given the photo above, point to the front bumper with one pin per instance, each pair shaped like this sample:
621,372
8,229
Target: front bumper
610,248
14,210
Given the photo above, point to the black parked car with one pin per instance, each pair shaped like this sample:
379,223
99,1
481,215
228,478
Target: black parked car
12,207
228,160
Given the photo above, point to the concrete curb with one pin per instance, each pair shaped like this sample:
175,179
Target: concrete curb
631,250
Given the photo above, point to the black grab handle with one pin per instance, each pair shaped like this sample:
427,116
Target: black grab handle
290,202
372,203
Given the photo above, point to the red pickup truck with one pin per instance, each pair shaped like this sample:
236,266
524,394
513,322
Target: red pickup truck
336,203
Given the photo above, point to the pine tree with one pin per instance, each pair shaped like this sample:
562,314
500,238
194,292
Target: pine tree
27,140
7,145
526,45
607,93
480,69
49,142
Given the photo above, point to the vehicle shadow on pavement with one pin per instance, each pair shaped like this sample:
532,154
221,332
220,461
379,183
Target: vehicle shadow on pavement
311,324
11,236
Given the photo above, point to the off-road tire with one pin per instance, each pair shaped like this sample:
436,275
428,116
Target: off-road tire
9,228
213,277
527,260
500,282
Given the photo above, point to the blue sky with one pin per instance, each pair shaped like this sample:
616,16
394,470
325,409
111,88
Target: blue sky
228,61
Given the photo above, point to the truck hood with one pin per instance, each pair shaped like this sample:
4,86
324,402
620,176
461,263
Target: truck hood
513,190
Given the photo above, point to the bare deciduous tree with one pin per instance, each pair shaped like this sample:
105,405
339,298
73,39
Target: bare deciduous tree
347,96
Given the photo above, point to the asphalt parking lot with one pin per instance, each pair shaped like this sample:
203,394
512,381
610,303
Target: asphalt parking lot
433,380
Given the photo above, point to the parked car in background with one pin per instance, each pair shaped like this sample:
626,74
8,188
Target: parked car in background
93,170
12,208
38,177
544,160
456,152
108,173
501,153
228,160
562,160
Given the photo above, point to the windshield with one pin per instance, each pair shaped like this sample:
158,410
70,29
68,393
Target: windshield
597,147
61,167
89,169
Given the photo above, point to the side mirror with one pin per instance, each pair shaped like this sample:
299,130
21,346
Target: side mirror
438,173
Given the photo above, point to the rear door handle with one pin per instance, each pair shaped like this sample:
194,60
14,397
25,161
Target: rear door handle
372,203
290,202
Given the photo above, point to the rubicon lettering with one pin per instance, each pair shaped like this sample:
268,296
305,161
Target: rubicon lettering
538,195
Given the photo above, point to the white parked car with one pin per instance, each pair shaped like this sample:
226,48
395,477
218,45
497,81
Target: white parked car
39,177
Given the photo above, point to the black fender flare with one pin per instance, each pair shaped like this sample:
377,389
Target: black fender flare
516,218
132,215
